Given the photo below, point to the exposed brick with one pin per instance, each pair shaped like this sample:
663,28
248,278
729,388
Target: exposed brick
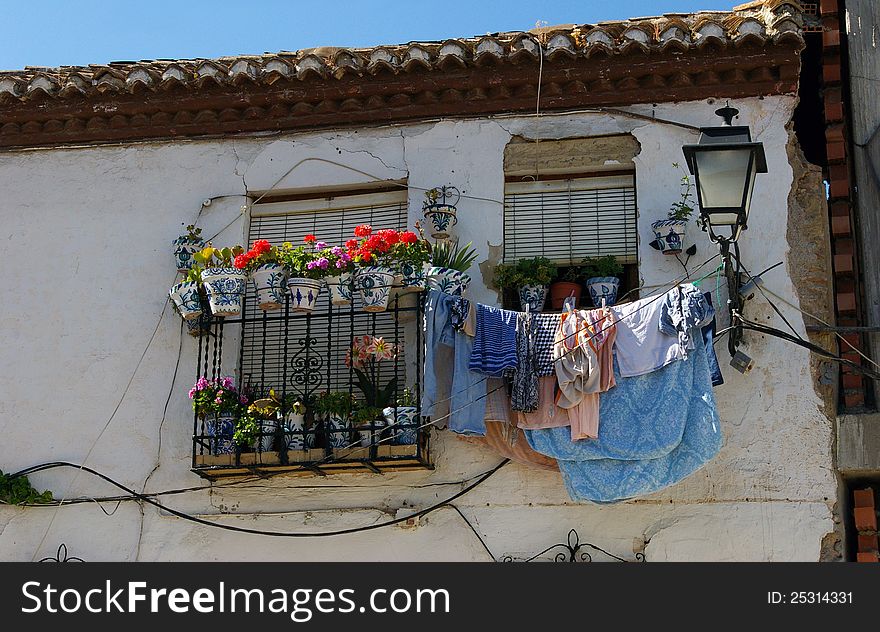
840,208
839,186
853,339
866,518
835,151
846,302
831,39
863,497
833,112
840,225
854,400
852,380
831,70
844,246
848,322
828,7
852,356
843,263
867,557
835,133
867,543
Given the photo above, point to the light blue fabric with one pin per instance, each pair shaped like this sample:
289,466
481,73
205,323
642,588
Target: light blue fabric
467,400
589,477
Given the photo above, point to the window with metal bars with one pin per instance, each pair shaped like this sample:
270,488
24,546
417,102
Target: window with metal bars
567,220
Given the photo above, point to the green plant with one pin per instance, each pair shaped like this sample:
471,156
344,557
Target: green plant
573,274
301,262
247,428
193,234
366,353
215,396
606,266
535,271
446,254
336,403
19,491
406,398
222,257
682,209
295,405
194,274
364,414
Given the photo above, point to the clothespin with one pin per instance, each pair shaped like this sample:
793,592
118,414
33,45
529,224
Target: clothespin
569,303
603,302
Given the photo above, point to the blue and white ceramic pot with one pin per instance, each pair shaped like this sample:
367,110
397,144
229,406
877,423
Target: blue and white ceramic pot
668,235
414,276
340,288
374,284
337,431
404,430
303,293
442,218
269,281
184,247
532,298
225,288
448,281
220,428
603,287
295,435
370,436
186,299
264,442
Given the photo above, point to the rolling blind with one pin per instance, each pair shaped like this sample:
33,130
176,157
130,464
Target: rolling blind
320,342
567,220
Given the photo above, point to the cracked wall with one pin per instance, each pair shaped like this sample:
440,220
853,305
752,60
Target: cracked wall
77,330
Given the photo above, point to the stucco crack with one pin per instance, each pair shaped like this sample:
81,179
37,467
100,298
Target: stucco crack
372,155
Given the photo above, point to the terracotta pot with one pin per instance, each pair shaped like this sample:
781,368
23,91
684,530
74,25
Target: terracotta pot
561,290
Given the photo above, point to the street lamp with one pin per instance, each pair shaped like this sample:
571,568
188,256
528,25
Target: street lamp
724,163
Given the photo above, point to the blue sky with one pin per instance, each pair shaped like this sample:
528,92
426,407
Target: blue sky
80,32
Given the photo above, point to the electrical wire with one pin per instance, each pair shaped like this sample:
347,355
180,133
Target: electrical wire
280,534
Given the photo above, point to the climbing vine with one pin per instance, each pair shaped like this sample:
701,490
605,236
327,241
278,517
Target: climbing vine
19,491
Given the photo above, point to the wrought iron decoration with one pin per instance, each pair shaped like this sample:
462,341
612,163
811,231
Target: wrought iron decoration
571,552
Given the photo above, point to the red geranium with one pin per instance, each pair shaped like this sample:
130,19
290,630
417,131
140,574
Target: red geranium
261,246
408,237
351,244
310,239
241,262
363,230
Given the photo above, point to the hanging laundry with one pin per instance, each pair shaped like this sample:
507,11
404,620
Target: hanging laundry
708,332
464,316
548,414
524,383
545,326
683,310
640,346
494,349
580,339
656,429
466,389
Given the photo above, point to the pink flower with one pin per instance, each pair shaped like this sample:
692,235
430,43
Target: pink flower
192,392
322,263
227,382
311,265
243,399
381,349
320,245
219,400
337,251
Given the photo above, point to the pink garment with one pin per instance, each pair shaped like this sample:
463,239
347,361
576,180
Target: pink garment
548,414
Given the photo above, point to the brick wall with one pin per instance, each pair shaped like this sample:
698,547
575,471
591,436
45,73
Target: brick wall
865,517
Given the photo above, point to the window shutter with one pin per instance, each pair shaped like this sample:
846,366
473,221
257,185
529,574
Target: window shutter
321,341
567,220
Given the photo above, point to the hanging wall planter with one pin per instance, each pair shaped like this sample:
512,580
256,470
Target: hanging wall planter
532,298
414,276
374,284
603,287
220,428
668,235
448,281
269,280
303,293
185,246
340,288
440,210
186,299
225,288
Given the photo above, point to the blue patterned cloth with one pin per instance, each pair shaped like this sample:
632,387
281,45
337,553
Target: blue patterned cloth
494,341
654,430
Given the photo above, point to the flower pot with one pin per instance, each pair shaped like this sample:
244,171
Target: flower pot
340,288
442,218
263,443
184,247
220,427
374,284
603,287
225,288
532,298
448,281
186,299
414,276
561,290
269,280
404,430
303,293
668,235
370,436
295,435
337,431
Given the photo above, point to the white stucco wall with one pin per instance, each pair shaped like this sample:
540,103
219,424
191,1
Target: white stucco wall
87,267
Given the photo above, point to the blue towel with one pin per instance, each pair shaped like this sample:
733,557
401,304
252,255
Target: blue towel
648,404
494,341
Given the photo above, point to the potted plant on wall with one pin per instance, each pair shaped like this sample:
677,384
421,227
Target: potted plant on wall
306,269
368,423
296,436
335,408
669,232
263,264
340,281
186,296
216,402
403,422
530,278
374,276
440,210
186,246
603,278
449,265
568,285
224,283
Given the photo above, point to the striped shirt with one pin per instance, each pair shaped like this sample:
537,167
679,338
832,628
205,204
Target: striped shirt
495,341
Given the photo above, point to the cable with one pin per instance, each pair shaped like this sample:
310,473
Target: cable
281,534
